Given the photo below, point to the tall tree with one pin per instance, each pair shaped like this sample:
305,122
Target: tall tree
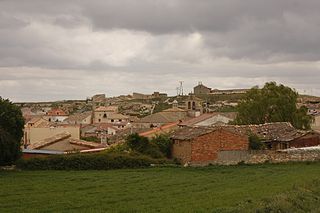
272,103
11,131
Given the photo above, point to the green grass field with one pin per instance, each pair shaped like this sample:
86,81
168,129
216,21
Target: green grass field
207,189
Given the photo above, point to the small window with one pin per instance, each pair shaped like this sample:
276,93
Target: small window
104,115
99,120
120,120
112,120
189,105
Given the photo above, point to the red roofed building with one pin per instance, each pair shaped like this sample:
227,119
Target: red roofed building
56,115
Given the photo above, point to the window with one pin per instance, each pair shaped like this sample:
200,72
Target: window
99,120
104,115
112,120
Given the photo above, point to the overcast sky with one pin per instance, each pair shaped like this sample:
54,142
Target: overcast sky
55,50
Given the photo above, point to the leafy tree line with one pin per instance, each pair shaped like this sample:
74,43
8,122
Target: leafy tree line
11,132
157,147
272,103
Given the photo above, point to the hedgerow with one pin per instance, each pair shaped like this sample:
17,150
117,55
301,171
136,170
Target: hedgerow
88,162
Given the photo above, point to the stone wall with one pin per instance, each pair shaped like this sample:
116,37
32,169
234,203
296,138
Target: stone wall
256,157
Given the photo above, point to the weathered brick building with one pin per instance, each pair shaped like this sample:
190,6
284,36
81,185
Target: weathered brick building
200,145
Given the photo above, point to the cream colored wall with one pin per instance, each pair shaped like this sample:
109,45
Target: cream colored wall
87,120
100,115
316,123
36,134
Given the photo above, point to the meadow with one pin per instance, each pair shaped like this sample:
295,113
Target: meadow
263,188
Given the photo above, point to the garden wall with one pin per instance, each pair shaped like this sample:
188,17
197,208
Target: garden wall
255,157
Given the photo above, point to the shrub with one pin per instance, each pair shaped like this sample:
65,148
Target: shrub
142,145
164,143
91,139
87,162
255,143
118,149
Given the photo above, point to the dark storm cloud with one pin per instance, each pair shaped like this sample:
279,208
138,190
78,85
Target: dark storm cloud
222,41
252,29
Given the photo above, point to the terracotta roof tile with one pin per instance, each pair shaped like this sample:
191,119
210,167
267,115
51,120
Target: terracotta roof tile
280,131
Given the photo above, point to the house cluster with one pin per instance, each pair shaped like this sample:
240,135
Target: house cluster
52,129
198,134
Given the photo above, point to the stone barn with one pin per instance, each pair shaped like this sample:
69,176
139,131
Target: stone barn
200,145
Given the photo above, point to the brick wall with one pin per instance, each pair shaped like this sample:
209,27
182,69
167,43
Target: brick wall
204,149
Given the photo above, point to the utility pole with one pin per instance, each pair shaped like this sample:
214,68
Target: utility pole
180,89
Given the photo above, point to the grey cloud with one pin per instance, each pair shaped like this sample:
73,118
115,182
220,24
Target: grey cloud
139,42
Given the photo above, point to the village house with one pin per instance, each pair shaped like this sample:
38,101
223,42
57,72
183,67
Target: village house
79,118
282,135
159,119
36,121
316,122
102,130
33,134
64,142
56,115
210,119
200,89
200,145
109,114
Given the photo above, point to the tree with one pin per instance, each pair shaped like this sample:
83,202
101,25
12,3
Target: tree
142,145
11,132
272,103
255,143
164,143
